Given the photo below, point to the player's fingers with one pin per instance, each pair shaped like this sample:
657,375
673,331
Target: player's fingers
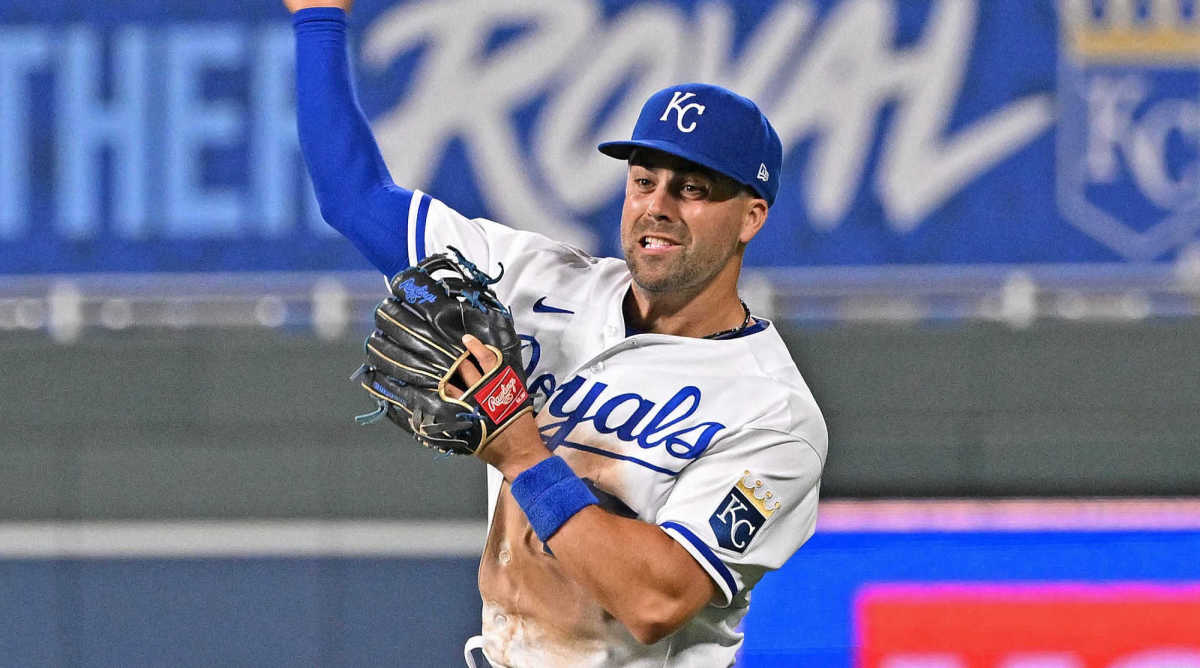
470,370
468,373
454,390
484,357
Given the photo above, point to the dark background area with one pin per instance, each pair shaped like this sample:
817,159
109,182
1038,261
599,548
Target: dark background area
241,424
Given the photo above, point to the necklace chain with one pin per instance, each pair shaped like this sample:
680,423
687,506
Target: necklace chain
734,330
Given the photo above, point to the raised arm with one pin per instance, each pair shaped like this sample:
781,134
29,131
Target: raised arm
352,183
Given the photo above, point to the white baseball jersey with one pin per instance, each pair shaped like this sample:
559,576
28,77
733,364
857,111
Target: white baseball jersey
718,442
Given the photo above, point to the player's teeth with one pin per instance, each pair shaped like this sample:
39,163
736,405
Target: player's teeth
655,242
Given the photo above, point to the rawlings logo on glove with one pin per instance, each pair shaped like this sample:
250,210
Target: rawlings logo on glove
502,396
415,294
414,357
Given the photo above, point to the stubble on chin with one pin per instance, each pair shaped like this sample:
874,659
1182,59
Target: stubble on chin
674,276
655,284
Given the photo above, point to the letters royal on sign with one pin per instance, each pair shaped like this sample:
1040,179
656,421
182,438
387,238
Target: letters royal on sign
851,70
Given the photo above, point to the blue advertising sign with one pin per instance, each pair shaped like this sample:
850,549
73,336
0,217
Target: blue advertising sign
1117,576
160,136
803,615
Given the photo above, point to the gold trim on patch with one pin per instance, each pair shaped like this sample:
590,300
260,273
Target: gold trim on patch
756,492
1133,46
1118,31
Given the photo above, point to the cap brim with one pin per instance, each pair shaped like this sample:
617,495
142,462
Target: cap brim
621,150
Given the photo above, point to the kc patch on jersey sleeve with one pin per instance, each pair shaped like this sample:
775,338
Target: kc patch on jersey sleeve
742,512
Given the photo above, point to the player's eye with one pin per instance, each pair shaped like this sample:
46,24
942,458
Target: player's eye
695,190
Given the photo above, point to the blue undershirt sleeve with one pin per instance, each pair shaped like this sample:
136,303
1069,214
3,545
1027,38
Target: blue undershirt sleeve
352,183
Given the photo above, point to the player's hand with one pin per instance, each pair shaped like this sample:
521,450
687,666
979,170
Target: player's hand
520,445
417,352
294,6
470,371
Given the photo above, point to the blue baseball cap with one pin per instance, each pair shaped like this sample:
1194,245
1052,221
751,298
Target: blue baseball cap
710,126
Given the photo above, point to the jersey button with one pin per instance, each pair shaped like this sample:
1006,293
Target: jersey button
504,557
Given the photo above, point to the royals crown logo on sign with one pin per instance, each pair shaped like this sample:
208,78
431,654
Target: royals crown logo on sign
1128,154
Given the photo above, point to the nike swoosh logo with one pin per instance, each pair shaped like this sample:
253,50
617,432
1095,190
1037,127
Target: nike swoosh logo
540,307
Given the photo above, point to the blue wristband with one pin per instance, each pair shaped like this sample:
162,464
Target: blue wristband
550,494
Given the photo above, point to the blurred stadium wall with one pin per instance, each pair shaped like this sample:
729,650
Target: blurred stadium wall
985,257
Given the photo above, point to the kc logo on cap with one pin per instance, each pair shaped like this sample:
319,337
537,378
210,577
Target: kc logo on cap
713,127
676,98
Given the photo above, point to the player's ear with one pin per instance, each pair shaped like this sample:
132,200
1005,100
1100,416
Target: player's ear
753,218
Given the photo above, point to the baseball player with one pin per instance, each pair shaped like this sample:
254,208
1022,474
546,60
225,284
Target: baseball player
674,452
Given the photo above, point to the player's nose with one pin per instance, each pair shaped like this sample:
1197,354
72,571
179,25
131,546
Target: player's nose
662,205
